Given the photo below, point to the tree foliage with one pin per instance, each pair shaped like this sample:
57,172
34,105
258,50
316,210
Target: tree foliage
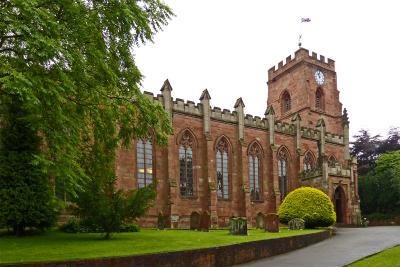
71,63
380,188
379,176
25,194
367,148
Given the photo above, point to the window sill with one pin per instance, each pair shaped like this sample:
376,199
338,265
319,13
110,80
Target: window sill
224,199
188,197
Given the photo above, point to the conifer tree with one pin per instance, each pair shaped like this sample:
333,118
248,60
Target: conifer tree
25,194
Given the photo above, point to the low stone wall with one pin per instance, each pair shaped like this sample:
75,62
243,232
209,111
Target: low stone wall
383,222
215,256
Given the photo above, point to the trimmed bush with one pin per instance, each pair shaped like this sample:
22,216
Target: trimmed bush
311,205
73,225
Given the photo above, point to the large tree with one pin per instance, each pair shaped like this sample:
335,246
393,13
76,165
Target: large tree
365,148
71,64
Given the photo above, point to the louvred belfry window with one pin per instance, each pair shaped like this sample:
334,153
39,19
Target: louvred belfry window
222,169
286,102
282,172
186,165
255,171
144,162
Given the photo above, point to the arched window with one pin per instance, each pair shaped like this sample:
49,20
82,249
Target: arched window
186,164
282,172
144,162
286,102
255,171
319,99
331,161
308,162
222,159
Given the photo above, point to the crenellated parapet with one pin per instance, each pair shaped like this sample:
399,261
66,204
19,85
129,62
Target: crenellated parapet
310,133
284,127
334,138
189,107
225,115
255,122
301,55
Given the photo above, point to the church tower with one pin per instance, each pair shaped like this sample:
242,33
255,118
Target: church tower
306,85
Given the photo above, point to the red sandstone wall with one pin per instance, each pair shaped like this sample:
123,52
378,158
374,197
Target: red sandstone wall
297,76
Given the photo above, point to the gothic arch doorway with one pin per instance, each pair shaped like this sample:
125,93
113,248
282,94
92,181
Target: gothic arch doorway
340,205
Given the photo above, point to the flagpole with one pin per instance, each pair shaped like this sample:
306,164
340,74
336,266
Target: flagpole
300,32
302,20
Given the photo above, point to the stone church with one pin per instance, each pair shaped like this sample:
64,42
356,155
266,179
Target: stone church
227,163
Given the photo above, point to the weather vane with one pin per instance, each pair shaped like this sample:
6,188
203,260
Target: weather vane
301,22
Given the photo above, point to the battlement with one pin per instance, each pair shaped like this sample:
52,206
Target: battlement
255,121
301,55
189,107
284,127
158,98
310,133
334,138
225,115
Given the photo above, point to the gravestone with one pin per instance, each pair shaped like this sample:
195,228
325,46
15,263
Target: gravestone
238,226
260,221
194,221
205,222
296,224
272,223
174,221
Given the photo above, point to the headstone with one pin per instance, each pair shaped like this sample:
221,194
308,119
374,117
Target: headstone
260,221
205,222
174,221
194,221
272,223
238,226
296,224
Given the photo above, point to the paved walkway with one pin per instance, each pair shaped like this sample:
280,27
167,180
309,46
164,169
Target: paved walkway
350,244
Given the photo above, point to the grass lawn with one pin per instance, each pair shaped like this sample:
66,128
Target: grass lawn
55,245
389,258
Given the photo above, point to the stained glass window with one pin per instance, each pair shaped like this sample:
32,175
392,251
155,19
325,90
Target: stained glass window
282,172
222,169
308,162
186,164
144,152
255,171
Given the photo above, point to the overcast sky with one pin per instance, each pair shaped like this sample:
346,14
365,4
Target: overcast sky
227,46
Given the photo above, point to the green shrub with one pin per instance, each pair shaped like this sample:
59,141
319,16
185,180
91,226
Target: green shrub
71,226
311,205
129,228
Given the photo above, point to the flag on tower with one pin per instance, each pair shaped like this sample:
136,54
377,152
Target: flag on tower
305,20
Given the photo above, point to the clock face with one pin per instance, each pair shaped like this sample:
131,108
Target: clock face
319,77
